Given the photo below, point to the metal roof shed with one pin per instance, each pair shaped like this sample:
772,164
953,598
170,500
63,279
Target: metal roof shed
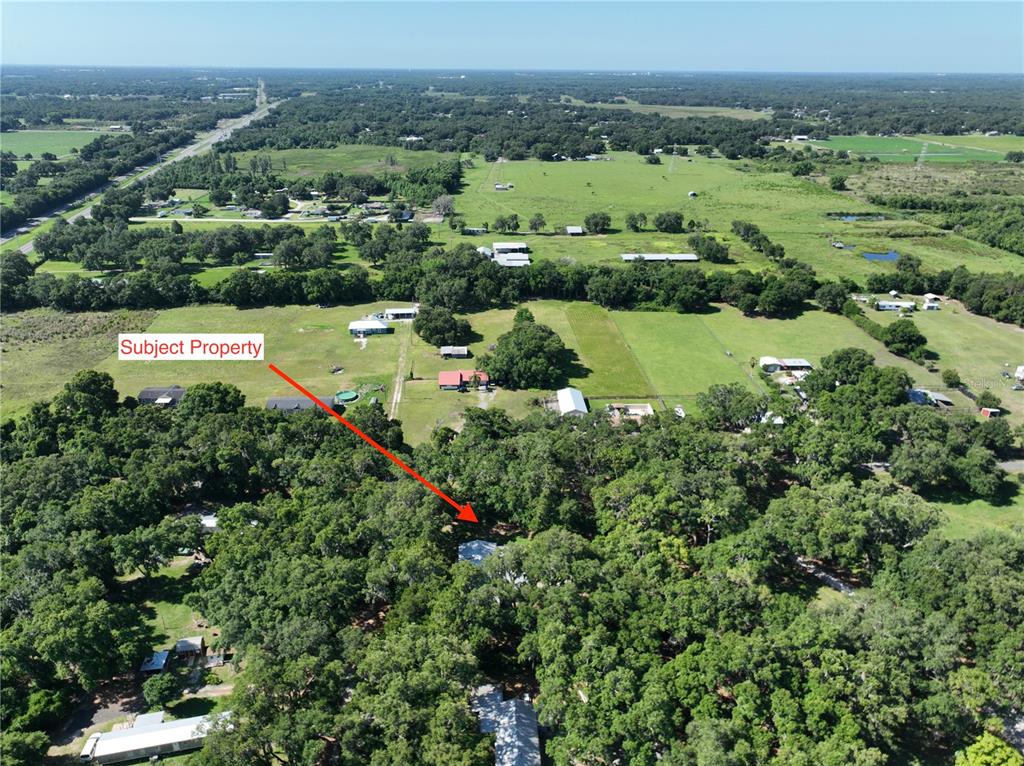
148,740
475,551
155,663
571,402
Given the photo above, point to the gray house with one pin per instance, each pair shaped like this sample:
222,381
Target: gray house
162,397
292,404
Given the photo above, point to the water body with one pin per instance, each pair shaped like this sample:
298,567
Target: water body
861,217
892,255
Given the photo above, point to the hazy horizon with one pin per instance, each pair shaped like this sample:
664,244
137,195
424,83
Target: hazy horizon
825,37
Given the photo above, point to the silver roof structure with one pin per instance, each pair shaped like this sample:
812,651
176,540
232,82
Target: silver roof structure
460,351
475,551
148,740
155,662
571,402
513,723
190,644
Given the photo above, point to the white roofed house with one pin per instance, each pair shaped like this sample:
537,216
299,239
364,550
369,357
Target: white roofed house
368,327
510,247
574,231
895,306
570,401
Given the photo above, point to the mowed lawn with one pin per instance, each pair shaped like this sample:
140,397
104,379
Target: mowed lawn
905,149
347,158
1000,144
967,518
684,354
980,349
35,142
304,341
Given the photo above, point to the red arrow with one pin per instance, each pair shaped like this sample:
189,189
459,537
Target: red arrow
465,511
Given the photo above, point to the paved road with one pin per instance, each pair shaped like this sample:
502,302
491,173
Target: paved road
202,144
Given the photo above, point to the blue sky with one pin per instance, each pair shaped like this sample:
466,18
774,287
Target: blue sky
823,36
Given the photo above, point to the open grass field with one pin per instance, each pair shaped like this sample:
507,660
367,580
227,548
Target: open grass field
35,142
969,517
348,158
789,210
980,349
676,112
1000,144
684,354
905,149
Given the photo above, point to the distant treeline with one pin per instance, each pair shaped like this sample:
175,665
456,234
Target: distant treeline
515,128
97,162
144,98
853,103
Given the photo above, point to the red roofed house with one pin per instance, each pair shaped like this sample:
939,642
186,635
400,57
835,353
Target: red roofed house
457,380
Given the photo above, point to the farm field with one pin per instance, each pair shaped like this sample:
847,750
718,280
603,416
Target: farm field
789,210
35,142
683,354
1001,144
904,149
348,158
675,111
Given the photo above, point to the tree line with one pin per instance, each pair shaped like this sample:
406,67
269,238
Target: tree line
647,590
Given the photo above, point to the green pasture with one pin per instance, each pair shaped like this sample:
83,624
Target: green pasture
966,518
906,149
979,348
674,111
789,210
1000,144
35,142
347,158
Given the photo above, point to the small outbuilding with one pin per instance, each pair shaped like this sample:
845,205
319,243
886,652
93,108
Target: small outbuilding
570,401
473,230
991,412
504,248
394,314
155,663
574,231
454,352
193,646
162,397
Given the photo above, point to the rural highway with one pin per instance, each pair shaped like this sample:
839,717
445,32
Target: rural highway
202,144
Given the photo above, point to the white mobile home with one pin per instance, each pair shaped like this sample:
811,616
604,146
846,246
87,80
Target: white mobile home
401,313
147,740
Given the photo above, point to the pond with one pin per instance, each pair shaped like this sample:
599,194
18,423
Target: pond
892,255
